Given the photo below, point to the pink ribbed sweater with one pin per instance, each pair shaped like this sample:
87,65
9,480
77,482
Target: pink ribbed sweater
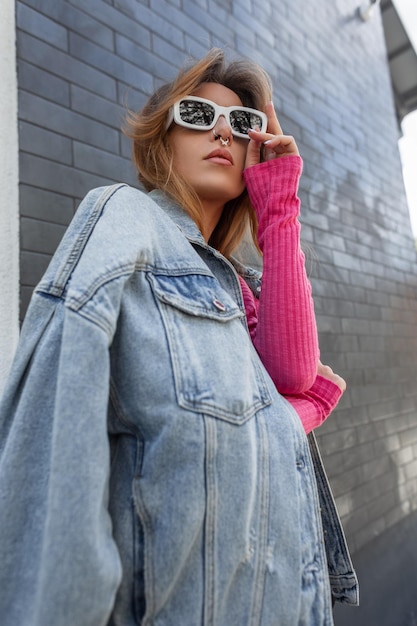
282,322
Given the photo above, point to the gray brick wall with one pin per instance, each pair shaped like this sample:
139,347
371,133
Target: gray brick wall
81,62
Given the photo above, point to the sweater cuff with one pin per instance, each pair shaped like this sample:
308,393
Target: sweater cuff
278,177
329,392
315,405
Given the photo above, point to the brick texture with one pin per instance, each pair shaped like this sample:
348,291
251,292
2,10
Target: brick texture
80,63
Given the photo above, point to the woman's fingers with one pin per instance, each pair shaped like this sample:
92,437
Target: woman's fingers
327,372
275,143
253,153
280,145
273,127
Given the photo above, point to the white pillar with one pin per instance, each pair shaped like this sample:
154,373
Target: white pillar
9,191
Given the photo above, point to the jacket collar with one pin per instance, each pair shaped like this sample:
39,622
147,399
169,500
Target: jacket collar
190,230
183,221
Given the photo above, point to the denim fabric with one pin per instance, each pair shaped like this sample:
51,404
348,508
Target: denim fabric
343,579
150,473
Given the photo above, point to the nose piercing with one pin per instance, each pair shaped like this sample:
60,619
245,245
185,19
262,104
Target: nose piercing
224,142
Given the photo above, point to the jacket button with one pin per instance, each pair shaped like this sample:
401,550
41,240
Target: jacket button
219,305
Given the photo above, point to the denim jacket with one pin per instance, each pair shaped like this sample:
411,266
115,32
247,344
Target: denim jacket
150,473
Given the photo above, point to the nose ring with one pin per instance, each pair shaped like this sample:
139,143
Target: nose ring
224,142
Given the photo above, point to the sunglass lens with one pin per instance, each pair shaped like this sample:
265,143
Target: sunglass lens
239,121
243,121
196,113
255,121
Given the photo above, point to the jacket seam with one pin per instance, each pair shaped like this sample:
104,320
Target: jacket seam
76,251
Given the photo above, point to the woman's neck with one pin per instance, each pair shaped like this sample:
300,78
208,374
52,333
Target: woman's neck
212,212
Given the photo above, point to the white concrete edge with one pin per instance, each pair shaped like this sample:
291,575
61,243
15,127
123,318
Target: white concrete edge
9,192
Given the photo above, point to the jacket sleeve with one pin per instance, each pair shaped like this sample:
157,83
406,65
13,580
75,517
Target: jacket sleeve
286,333
58,561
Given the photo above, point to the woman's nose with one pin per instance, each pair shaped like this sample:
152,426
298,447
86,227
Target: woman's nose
222,128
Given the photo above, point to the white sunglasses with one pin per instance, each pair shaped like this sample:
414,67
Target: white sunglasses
201,114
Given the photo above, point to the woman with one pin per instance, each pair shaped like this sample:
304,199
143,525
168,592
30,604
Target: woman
212,190
150,471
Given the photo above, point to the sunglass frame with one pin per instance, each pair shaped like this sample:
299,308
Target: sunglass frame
174,115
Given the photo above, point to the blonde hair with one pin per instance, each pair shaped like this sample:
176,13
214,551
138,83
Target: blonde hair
153,155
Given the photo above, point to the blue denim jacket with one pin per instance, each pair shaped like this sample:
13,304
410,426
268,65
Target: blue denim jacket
150,473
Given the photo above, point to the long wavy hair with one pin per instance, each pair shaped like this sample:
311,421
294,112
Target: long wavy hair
153,155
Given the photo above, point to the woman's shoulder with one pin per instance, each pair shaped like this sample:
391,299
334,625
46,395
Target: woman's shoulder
114,229
119,209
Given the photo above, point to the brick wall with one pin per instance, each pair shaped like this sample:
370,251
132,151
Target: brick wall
81,62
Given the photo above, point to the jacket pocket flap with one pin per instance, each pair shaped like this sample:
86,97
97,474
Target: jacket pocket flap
196,294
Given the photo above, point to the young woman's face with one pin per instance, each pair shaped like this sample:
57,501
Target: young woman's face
213,170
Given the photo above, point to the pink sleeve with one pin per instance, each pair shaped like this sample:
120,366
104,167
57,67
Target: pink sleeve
313,405
285,332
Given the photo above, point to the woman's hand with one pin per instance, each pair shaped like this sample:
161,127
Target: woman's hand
326,372
275,143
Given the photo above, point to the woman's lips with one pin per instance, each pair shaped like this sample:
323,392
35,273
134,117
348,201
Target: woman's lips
221,157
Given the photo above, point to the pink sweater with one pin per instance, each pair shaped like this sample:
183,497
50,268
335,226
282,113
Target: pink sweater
282,322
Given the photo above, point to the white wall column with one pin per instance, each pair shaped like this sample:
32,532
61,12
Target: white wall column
9,192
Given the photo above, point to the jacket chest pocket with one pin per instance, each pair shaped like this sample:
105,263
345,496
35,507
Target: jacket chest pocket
215,368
